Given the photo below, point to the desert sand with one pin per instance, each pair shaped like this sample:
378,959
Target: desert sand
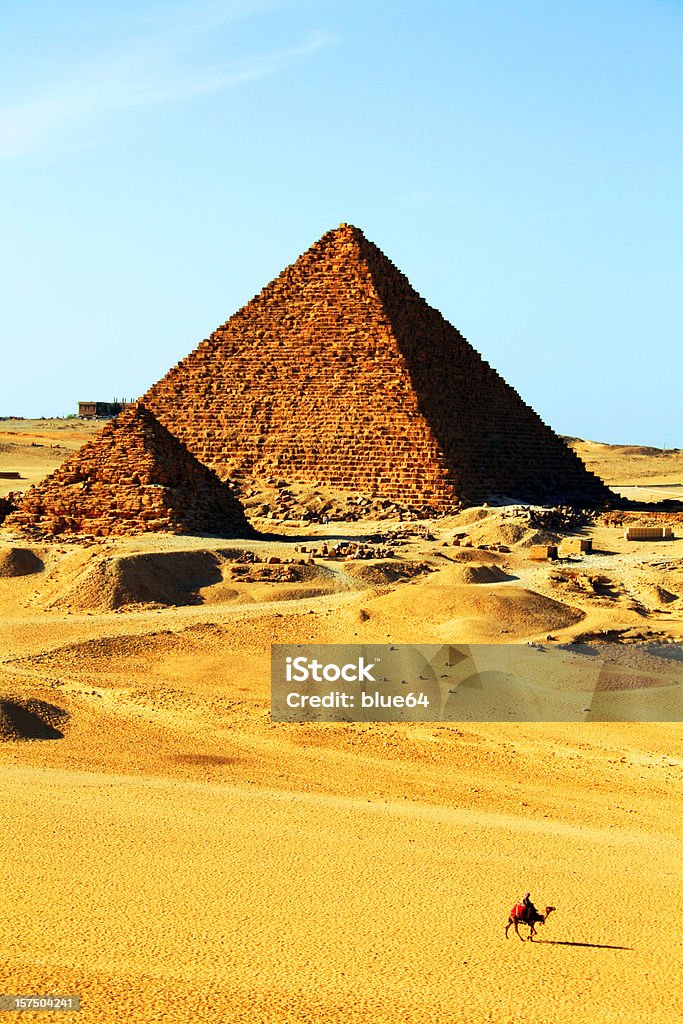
169,853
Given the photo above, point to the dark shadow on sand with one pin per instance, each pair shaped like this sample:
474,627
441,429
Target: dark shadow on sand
329,539
586,945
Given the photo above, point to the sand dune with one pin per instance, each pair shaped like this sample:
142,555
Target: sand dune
16,561
476,611
246,904
105,583
30,719
630,465
481,574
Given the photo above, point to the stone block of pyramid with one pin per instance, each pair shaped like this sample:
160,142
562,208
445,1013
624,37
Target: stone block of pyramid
338,372
132,477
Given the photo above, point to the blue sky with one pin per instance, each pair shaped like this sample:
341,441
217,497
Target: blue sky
519,161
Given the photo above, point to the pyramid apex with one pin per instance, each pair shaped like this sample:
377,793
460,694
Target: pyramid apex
345,232
339,370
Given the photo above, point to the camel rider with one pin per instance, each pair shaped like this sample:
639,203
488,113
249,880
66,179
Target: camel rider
529,908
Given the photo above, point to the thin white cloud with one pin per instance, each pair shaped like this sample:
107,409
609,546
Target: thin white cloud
153,70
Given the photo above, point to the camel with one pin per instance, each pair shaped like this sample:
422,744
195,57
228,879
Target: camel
525,915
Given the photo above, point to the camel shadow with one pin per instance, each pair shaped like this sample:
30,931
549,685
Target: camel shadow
587,945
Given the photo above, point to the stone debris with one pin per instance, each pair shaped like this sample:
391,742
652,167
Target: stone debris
588,583
299,504
9,504
576,546
559,518
132,477
347,550
338,371
461,541
649,533
641,518
278,573
542,552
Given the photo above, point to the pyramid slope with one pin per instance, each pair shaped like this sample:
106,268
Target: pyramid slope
339,372
133,477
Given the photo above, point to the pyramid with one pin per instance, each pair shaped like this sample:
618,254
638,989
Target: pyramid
132,477
338,372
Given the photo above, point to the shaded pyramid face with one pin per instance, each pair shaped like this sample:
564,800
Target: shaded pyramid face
338,372
133,477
